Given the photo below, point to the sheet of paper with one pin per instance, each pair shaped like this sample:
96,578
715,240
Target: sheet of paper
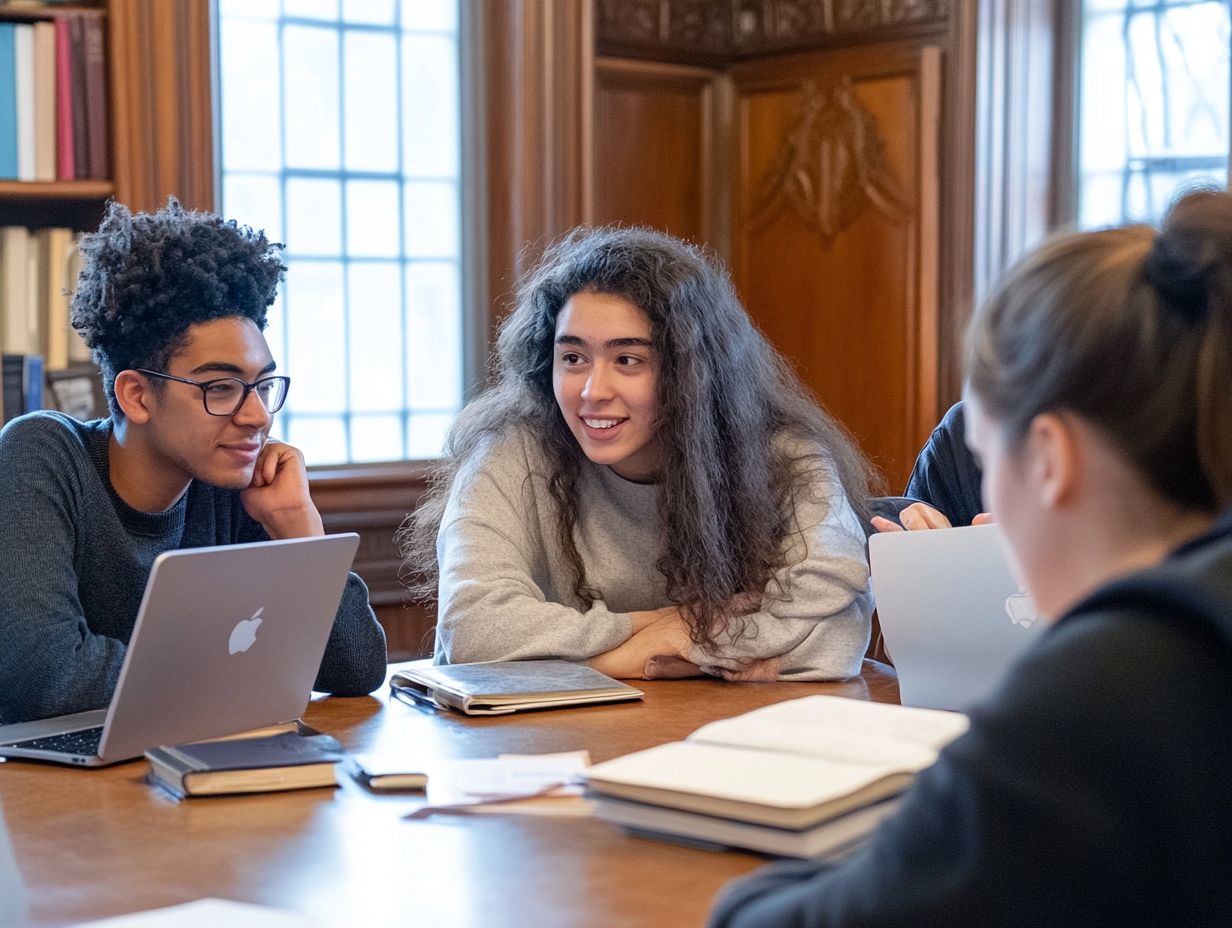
838,729
509,783
510,776
208,913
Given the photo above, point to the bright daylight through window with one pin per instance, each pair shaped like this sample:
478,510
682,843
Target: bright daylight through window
1154,109
339,135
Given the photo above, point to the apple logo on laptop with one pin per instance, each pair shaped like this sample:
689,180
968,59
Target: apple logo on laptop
1021,609
244,635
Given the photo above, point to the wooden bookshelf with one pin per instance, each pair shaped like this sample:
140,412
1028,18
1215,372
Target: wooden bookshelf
34,13
158,126
160,115
75,204
55,190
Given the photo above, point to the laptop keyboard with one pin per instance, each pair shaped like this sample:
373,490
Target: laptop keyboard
73,742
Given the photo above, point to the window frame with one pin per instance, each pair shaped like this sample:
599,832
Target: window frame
475,320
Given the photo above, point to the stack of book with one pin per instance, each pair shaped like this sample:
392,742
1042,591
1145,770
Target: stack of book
53,98
803,778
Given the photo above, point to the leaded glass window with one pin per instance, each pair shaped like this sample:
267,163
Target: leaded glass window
1154,105
339,135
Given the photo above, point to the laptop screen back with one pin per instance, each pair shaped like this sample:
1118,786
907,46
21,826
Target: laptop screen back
227,639
953,617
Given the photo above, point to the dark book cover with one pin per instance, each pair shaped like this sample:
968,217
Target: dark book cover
77,62
12,385
246,765
95,63
285,750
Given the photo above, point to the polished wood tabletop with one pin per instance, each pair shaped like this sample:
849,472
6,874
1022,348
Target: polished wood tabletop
97,843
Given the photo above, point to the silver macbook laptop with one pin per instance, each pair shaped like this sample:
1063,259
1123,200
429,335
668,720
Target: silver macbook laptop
951,612
227,639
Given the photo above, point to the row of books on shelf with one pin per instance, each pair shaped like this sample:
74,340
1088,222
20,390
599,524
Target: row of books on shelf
21,385
26,386
38,269
53,99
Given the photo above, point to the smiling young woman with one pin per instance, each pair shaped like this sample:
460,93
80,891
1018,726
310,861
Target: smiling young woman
646,485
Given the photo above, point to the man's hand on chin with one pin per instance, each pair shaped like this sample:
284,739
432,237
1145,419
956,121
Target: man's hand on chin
278,495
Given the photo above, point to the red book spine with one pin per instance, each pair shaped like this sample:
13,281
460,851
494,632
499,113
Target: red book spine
65,167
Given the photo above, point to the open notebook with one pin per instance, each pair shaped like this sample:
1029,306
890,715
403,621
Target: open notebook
798,777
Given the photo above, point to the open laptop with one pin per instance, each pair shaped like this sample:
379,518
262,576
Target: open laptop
952,614
227,639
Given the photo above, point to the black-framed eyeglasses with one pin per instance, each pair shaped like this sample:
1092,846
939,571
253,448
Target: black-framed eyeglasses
226,395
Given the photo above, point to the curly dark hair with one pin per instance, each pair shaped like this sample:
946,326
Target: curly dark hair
147,277
723,396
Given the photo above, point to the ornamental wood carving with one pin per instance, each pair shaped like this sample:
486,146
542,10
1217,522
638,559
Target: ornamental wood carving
831,166
734,29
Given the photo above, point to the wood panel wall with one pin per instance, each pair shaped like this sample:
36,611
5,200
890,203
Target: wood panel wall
373,500
657,157
160,62
838,143
836,232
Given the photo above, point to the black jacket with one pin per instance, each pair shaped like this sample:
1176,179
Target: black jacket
1094,788
945,474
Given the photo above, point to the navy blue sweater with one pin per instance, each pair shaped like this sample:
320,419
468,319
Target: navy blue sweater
945,474
1091,789
76,561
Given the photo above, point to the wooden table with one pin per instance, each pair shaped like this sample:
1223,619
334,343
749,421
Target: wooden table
95,843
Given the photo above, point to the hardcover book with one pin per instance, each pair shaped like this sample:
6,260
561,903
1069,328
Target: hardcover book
8,101
387,774
500,687
800,777
246,765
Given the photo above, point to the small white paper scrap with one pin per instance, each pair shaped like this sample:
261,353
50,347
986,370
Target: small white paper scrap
208,913
468,784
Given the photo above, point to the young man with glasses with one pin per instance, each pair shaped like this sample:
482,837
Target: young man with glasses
173,305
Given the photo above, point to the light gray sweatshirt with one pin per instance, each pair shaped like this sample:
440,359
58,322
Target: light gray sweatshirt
506,589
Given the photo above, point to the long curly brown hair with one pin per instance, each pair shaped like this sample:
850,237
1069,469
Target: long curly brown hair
723,397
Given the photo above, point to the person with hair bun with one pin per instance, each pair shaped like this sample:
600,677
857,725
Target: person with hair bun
173,304
646,486
1092,787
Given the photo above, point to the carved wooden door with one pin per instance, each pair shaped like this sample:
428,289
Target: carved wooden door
835,232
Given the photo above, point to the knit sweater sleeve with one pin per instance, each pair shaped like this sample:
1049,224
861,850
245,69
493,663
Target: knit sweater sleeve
51,662
355,657
490,544
816,611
